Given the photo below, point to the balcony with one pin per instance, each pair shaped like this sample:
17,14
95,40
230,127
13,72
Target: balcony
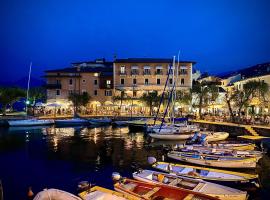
146,73
122,73
53,86
132,73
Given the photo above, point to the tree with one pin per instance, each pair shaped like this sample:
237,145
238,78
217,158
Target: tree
79,100
183,97
8,96
35,94
242,98
204,94
151,99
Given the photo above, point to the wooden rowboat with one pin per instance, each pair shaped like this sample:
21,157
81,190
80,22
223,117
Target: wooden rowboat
214,160
145,191
204,173
236,145
196,185
100,193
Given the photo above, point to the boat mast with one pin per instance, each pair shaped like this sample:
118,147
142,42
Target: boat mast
28,86
173,92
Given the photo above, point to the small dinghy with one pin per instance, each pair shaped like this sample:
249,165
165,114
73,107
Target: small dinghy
172,136
209,174
30,122
99,193
71,122
195,185
146,191
55,194
231,144
214,160
100,121
222,151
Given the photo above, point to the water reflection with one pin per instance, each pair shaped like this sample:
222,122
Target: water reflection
60,157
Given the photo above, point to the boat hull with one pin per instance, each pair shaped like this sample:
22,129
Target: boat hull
29,122
222,163
180,136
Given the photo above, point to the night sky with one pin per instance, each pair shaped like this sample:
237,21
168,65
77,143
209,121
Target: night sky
220,35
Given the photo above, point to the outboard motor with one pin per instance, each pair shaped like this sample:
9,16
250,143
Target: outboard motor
151,160
116,176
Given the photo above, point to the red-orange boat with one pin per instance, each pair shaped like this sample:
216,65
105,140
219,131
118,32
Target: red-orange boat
146,191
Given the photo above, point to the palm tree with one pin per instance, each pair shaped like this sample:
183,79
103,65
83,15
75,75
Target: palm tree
151,99
204,94
79,100
242,98
35,94
8,96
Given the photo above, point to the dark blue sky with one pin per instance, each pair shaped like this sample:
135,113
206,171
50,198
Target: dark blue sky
220,35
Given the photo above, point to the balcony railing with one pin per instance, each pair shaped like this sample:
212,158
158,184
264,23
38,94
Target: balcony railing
53,86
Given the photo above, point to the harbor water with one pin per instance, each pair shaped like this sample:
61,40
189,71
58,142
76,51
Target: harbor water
51,157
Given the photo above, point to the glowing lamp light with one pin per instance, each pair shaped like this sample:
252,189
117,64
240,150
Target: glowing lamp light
27,102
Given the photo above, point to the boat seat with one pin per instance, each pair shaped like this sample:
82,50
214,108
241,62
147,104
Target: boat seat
174,182
130,186
151,192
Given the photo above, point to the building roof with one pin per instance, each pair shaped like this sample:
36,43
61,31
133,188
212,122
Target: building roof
149,60
81,70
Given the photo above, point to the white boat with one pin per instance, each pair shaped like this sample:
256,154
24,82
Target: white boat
100,193
30,122
172,136
173,128
195,185
100,121
72,121
236,145
214,160
209,174
55,194
215,136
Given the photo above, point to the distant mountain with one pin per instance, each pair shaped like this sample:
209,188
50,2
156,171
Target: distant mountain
34,82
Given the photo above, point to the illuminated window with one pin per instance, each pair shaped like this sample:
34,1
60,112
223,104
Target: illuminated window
108,82
96,74
122,69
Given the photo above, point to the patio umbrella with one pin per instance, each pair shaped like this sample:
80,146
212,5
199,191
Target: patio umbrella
40,104
55,105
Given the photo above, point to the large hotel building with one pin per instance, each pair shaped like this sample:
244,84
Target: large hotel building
105,81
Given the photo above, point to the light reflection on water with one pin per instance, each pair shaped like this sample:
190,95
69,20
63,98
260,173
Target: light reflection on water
61,157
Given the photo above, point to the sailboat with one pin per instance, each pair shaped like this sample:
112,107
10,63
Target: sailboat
172,131
33,121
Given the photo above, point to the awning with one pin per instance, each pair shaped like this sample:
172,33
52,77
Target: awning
159,67
183,67
134,67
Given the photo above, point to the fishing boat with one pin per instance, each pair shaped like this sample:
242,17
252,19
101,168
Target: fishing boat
214,160
231,144
209,174
55,194
100,193
147,191
195,185
30,122
100,121
222,151
172,136
71,122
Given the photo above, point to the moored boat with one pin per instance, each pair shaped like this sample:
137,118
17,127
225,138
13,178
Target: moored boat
55,194
120,123
216,136
71,122
100,121
30,122
100,193
214,160
147,191
172,136
232,144
209,174
196,185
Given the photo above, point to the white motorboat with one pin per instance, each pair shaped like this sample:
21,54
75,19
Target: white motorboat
214,160
30,122
195,185
100,121
173,128
71,122
172,136
55,194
